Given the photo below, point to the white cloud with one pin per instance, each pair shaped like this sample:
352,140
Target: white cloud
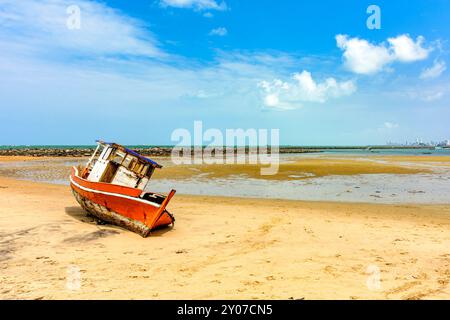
406,50
434,71
42,27
363,57
221,32
282,95
47,66
390,125
427,94
198,5
432,96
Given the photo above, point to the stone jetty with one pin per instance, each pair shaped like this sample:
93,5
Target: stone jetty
87,151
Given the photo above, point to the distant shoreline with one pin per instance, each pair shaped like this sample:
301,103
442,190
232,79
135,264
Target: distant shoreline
59,151
85,151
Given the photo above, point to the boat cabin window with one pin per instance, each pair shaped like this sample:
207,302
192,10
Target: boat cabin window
128,161
137,167
132,164
144,170
107,153
118,157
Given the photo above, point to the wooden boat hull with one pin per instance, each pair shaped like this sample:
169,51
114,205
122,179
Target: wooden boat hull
121,205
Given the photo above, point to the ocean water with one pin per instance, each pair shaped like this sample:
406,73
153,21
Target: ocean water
351,150
389,152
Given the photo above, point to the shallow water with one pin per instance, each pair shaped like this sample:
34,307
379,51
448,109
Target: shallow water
52,171
374,188
390,152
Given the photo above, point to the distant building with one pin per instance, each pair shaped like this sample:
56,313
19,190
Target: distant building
445,143
420,143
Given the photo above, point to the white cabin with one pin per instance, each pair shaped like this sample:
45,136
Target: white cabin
115,164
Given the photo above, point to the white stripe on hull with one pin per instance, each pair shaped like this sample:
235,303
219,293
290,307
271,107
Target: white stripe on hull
114,194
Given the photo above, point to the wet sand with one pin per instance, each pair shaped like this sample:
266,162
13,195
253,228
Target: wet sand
323,177
303,166
229,248
293,169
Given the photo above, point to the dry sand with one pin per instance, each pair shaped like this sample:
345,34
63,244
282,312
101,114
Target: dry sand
227,248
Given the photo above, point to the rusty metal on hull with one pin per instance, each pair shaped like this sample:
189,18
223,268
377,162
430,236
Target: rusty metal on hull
110,216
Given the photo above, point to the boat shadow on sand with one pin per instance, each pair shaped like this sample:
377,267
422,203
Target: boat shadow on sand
106,228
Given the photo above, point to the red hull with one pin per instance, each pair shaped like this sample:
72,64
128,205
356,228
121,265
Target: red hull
120,205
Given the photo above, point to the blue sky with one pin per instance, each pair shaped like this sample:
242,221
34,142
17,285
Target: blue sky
134,71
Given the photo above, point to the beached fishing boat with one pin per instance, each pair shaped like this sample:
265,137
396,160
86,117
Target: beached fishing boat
112,188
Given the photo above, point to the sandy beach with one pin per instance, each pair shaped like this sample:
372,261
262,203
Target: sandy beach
224,149
222,247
